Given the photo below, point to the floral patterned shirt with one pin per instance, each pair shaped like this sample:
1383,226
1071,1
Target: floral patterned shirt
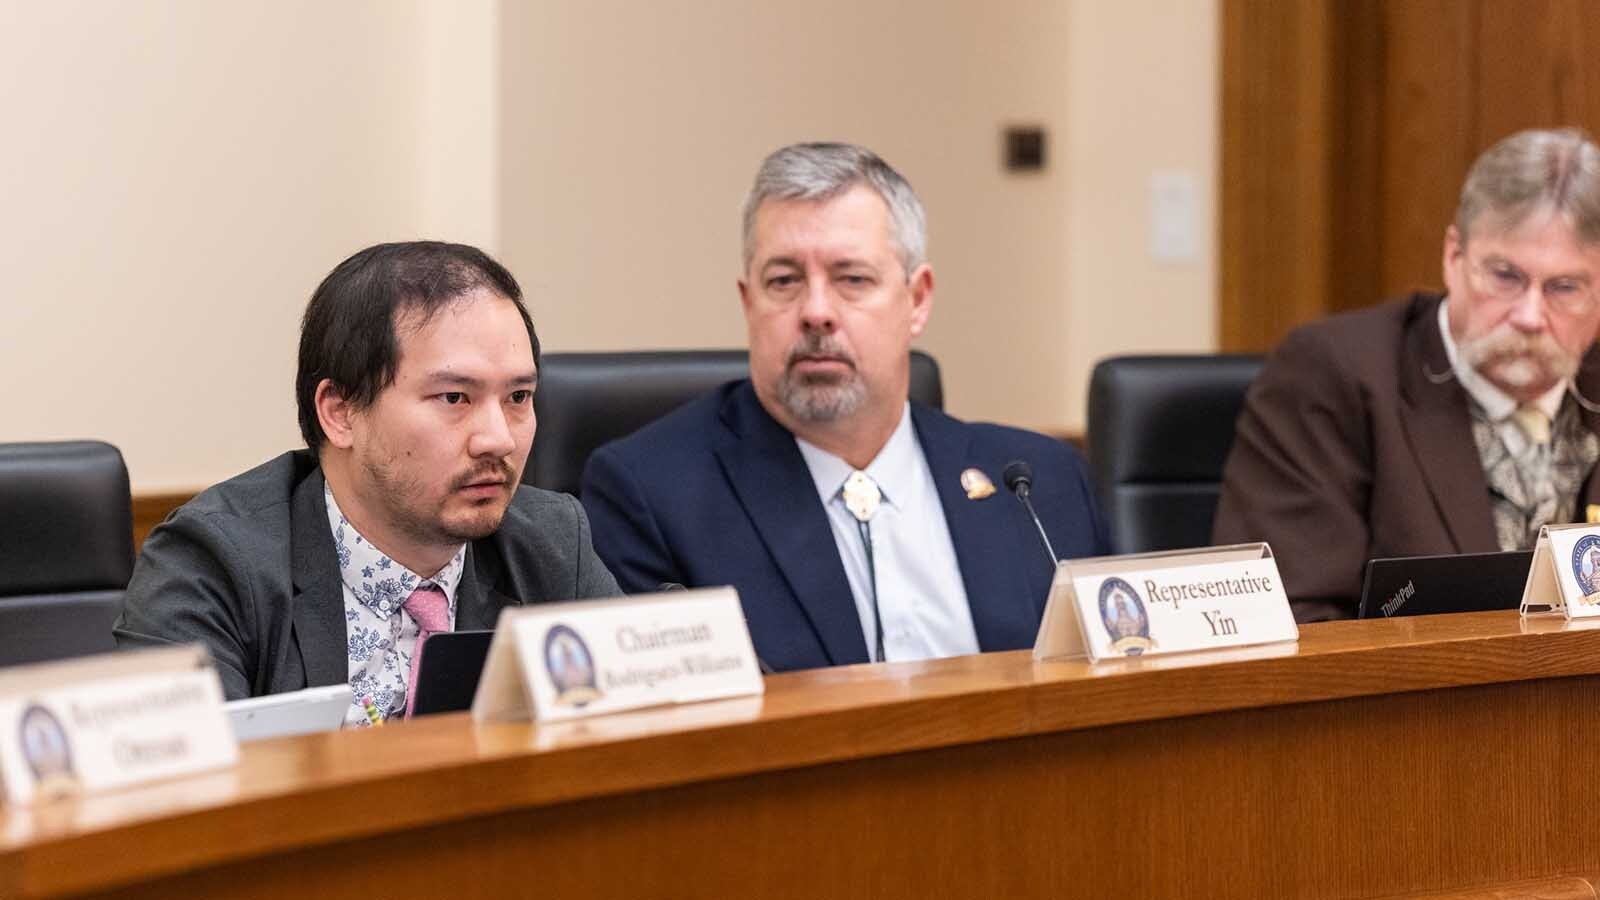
380,634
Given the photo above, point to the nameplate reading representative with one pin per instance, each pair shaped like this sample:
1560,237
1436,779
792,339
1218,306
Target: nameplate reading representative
109,721
1564,576
1173,602
565,660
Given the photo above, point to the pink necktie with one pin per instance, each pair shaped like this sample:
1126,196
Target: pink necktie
430,609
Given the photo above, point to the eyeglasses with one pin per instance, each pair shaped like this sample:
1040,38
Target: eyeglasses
1504,282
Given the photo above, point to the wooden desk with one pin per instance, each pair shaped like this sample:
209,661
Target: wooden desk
1378,758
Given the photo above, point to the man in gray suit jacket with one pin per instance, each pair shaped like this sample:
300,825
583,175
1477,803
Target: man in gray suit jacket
405,517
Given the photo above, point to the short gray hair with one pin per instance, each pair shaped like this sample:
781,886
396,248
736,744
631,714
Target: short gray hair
1532,171
821,171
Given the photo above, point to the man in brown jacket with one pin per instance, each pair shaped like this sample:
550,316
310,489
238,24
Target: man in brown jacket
1458,423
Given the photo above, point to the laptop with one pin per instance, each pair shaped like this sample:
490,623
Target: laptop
1424,585
448,669
296,712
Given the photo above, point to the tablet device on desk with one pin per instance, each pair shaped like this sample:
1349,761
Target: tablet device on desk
1424,585
297,712
448,669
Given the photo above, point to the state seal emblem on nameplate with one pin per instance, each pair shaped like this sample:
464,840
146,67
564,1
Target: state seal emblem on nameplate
48,752
571,667
1122,613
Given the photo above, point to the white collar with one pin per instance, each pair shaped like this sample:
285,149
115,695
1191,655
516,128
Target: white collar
1497,404
893,469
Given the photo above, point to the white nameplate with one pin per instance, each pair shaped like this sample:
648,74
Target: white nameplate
109,721
1565,574
1172,602
586,658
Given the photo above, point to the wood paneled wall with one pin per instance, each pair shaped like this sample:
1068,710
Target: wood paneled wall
1348,126
150,510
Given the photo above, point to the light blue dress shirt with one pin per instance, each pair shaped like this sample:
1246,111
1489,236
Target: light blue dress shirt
920,592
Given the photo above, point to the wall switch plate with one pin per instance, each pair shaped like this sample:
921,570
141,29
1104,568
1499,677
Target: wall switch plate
1174,218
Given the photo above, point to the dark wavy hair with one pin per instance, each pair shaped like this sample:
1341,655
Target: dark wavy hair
348,333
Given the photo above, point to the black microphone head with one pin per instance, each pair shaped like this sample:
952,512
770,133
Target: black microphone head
1017,475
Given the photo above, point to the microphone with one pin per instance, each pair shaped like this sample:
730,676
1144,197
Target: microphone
761,664
1018,476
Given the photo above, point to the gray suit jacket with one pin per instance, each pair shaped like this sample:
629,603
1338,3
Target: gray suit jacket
248,569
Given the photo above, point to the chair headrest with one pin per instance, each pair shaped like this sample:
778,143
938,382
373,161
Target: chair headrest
66,518
586,400
1165,418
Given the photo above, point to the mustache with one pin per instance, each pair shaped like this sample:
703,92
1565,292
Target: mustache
1506,343
494,470
818,345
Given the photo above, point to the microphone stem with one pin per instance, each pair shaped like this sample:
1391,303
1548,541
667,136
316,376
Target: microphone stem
1023,496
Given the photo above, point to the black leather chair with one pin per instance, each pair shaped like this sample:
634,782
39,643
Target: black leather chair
66,548
588,399
45,627
1160,428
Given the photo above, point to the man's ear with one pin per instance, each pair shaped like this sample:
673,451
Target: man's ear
921,285
335,414
1455,246
1453,266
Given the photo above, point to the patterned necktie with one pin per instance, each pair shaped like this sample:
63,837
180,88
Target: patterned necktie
1534,424
1533,467
1534,461
862,497
430,609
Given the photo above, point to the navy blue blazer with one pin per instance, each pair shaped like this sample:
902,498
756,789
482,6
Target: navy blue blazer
718,493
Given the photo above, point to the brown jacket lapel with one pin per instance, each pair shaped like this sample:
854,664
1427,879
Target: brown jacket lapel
1438,427
1588,388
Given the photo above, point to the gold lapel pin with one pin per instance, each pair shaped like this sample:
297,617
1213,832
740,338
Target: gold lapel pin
978,486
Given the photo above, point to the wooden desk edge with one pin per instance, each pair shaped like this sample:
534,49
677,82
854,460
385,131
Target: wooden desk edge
807,719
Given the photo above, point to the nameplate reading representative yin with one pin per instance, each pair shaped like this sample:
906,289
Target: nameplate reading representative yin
565,660
109,721
1173,602
1564,576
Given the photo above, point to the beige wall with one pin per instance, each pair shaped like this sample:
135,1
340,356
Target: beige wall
1144,92
631,132
176,176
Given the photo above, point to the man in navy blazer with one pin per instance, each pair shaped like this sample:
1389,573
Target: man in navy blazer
857,526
